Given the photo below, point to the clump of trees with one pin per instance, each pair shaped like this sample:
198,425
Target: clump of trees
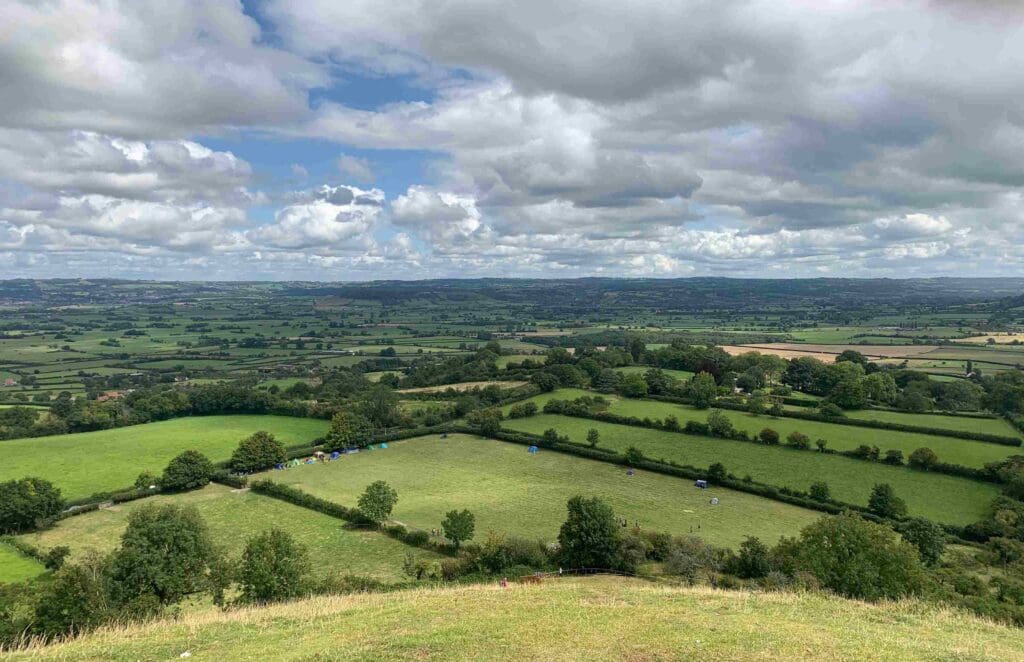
188,471
259,451
28,503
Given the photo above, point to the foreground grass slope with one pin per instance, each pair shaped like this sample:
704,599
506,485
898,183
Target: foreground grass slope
947,499
89,462
234,517
514,492
562,619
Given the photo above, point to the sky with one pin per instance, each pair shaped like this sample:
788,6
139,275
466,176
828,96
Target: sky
358,140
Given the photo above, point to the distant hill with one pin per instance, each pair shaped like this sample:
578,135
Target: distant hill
560,619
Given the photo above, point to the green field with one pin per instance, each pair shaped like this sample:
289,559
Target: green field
962,423
947,499
16,567
840,437
512,491
89,462
598,618
234,517
681,375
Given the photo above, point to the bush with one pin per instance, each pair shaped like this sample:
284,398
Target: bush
884,502
768,436
273,567
188,471
259,451
28,503
923,458
894,457
798,440
634,456
75,602
717,473
522,410
500,552
719,424
752,560
145,480
819,491
928,537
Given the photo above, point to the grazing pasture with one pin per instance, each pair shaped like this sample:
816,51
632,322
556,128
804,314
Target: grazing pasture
16,567
509,490
461,386
89,462
947,499
682,375
235,516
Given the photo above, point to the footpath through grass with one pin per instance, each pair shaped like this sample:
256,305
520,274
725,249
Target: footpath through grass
512,491
599,618
233,518
947,499
89,462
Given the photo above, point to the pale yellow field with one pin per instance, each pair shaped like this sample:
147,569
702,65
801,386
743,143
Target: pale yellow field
1000,339
828,353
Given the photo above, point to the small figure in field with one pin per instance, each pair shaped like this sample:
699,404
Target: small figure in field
504,582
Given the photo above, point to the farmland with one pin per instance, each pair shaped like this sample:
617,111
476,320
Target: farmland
235,516
16,567
927,495
88,462
511,491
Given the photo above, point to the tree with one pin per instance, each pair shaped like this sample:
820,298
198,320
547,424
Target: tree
379,405
165,554
487,421
550,438
76,601
752,561
798,440
768,436
928,537
821,444
593,437
634,386
880,387
259,451
719,424
28,503
717,473
377,501
923,458
349,429
589,537
522,410
702,390
458,526
858,559
273,567
849,393
634,456
884,502
188,471
819,491
757,404
893,456
830,410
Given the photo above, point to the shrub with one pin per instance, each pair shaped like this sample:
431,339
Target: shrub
273,567
894,457
928,537
522,410
717,473
768,436
259,451
145,480
500,552
819,491
188,471
377,501
752,560
884,502
28,503
55,557
923,458
798,440
719,424
75,602
634,456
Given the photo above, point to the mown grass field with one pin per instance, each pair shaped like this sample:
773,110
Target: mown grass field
947,499
89,462
962,423
598,618
514,492
16,567
682,375
840,437
234,517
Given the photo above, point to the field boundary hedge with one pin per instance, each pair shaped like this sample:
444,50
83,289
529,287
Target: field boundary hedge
863,423
696,428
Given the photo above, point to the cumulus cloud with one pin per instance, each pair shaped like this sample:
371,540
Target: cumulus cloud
330,220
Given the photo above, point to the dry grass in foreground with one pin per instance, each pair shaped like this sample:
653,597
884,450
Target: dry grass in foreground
568,619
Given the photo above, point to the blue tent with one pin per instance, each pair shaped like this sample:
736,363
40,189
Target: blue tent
533,450
702,484
383,445
335,455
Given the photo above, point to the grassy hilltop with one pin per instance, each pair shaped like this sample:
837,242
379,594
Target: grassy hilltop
568,619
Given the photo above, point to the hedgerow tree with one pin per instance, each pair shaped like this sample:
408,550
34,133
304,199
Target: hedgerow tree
259,451
858,559
923,458
717,473
702,390
349,429
166,554
798,440
589,537
188,471
768,436
487,421
752,561
273,567
377,501
633,456
819,491
719,424
593,437
459,526
28,503
884,502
